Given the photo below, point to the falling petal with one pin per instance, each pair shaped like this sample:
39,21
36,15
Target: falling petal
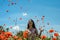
43,25
9,0
20,18
9,18
3,0
35,16
29,0
12,3
42,19
48,23
11,27
4,25
8,4
7,11
37,20
21,7
15,3
43,16
13,20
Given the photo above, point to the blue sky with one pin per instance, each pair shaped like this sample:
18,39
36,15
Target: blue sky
48,8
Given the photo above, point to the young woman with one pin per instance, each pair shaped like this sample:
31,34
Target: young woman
31,27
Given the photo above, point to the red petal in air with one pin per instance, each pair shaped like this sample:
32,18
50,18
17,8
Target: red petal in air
20,18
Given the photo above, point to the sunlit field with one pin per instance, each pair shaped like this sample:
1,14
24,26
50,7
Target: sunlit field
29,19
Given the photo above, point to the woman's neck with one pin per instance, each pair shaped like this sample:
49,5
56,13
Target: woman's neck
30,27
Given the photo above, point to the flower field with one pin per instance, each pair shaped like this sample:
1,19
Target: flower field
23,35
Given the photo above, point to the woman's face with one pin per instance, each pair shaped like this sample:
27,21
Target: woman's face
30,23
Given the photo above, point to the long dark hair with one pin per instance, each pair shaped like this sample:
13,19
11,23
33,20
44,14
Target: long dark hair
33,26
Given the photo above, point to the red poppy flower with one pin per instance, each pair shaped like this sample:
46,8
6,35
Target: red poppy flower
54,38
56,34
15,37
51,31
2,37
43,36
8,34
19,38
25,34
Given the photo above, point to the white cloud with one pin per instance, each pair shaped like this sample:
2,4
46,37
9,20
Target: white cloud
17,28
59,34
25,14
